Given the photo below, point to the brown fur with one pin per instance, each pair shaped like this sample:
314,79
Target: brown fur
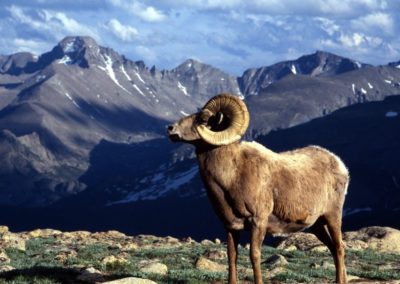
251,187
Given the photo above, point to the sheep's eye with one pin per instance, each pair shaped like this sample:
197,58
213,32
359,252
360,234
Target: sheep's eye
201,120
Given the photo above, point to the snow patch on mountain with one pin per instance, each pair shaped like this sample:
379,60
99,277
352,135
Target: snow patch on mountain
65,60
139,90
110,71
391,114
140,78
363,91
159,185
72,100
124,72
370,86
352,211
70,47
182,88
293,69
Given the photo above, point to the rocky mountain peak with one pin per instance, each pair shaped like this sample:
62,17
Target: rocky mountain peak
15,63
318,64
73,44
80,50
193,66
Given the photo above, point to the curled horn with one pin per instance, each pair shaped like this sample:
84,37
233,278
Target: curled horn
232,119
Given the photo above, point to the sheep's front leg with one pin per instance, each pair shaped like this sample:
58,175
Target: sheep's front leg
257,238
232,242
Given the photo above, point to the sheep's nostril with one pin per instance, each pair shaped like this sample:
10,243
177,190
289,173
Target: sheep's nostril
170,127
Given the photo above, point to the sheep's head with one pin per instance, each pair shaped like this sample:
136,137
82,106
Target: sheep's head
222,121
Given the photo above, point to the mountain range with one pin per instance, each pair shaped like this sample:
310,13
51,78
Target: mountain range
82,126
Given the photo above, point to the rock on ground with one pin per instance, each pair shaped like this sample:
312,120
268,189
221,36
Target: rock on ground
130,280
155,267
205,264
384,239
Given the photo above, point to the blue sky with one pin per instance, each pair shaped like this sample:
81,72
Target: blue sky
232,35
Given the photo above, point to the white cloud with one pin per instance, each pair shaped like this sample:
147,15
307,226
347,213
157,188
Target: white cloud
124,32
352,40
375,22
231,34
146,13
63,24
328,25
50,23
33,46
146,53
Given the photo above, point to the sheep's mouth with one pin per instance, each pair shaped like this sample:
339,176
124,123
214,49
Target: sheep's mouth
174,137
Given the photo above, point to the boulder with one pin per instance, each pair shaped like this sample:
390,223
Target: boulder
153,266
302,241
11,240
205,264
276,260
384,239
91,275
4,259
216,254
130,280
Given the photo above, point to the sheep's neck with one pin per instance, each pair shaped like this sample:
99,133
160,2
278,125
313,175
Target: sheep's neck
218,169
218,164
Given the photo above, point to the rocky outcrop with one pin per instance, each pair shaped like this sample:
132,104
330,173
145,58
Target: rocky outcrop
384,239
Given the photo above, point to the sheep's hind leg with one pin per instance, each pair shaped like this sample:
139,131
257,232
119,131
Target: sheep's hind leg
232,244
334,223
321,232
257,238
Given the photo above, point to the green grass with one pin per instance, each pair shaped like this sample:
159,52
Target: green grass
38,263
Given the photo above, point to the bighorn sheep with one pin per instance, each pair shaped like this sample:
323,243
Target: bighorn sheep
253,188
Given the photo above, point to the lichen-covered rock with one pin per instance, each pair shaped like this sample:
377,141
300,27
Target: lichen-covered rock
43,233
111,259
206,242
205,264
216,254
11,240
153,266
383,239
302,241
275,261
3,229
4,259
63,256
130,280
6,268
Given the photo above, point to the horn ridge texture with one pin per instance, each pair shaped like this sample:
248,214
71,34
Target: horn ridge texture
233,108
